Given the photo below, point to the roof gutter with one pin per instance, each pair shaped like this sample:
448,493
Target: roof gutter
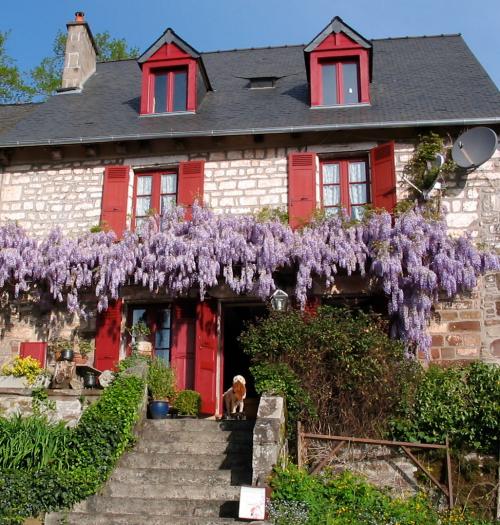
255,131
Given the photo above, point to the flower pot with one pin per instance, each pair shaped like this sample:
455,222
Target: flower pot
158,409
67,355
80,359
89,380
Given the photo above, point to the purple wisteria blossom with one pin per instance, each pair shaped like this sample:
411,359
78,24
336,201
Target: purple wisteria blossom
411,258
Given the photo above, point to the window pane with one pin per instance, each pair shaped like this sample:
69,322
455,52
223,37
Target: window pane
138,315
357,172
329,76
350,72
180,91
331,195
357,193
164,355
167,202
143,205
357,212
160,102
164,318
169,183
331,211
162,339
330,173
144,185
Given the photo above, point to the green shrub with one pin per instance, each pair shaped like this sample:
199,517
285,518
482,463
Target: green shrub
188,403
279,379
302,499
461,402
344,360
90,453
161,380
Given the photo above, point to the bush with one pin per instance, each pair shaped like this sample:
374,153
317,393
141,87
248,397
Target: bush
161,380
188,403
353,372
461,402
299,498
89,455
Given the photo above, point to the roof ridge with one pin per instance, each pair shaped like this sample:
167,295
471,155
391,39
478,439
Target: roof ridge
442,35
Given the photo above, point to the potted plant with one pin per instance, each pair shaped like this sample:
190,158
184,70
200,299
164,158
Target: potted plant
84,348
161,384
24,372
140,344
187,403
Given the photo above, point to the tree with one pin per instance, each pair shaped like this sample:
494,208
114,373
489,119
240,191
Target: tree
46,77
12,86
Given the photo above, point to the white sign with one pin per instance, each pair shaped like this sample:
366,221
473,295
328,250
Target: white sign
252,503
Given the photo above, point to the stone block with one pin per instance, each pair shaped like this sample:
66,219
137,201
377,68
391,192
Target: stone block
465,326
11,193
467,352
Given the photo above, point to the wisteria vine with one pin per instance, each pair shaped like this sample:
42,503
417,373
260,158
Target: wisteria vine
412,258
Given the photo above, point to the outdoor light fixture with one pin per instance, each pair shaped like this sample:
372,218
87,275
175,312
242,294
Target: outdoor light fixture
279,300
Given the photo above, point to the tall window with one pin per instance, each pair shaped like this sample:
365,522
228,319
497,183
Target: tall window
169,90
340,83
345,185
154,193
158,319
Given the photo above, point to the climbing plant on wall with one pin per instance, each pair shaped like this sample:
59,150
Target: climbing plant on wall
411,258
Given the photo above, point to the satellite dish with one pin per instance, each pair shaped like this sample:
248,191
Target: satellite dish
436,162
474,147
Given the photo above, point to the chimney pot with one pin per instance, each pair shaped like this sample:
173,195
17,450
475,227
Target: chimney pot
80,16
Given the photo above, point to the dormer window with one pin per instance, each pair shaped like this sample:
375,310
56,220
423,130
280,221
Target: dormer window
339,83
338,67
174,79
169,90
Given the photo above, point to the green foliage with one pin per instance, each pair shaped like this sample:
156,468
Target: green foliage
279,379
113,48
161,380
132,361
462,403
347,499
188,403
342,360
12,86
267,213
40,402
27,367
88,452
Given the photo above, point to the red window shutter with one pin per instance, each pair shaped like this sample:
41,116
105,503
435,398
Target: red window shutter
114,198
190,184
36,350
206,355
183,344
383,176
108,336
301,188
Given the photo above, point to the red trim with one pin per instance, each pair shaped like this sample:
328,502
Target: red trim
168,58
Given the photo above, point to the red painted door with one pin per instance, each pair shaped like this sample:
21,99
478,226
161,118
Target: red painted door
107,340
206,355
36,350
183,344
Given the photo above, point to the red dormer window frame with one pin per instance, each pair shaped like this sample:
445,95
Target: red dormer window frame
151,68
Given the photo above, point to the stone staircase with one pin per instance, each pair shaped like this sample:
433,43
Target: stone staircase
181,472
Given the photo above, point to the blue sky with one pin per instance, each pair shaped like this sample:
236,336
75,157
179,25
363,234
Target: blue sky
227,24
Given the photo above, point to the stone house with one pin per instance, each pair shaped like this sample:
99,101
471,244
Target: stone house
296,127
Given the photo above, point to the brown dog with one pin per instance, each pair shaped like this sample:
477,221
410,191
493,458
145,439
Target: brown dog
234,398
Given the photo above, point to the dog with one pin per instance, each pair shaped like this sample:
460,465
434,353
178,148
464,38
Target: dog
234,398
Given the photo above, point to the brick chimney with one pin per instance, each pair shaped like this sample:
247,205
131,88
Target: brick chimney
81,53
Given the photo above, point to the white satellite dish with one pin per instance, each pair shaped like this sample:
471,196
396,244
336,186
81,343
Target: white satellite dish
474,147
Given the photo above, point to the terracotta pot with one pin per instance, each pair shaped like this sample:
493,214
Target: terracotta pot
79,359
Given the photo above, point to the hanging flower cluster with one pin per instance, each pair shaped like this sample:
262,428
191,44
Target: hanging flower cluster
412,258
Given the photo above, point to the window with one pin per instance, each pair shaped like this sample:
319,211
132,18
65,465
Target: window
158,319
169,90
345,185
154,192
339,83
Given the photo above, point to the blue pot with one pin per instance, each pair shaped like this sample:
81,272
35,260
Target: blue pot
158,409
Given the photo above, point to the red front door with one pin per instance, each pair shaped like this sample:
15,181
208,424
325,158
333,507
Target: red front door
206,355
183,344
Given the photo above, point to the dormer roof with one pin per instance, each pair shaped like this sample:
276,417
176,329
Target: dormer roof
168,37
337,25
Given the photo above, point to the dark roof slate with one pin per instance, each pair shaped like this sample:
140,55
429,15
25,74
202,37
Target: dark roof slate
431,79
11,114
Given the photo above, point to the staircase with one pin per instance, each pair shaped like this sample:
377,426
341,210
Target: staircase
181,472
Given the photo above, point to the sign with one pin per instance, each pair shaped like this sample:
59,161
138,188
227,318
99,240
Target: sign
252,503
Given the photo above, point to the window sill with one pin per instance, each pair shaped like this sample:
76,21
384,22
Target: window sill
168,114
342,106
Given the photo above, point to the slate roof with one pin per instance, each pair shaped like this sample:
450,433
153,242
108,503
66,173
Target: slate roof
432,80
11,114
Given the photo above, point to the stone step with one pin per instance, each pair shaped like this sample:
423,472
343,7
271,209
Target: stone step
201,447
188,436
185,461
198,425
129,519
185,508
171,491
182,476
